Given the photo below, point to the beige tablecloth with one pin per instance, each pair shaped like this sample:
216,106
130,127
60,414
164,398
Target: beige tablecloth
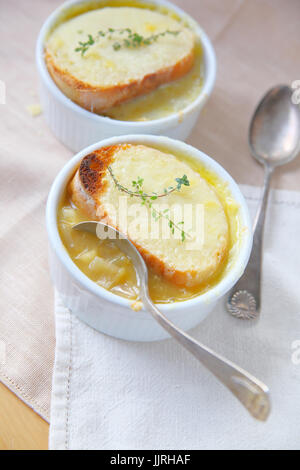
257,44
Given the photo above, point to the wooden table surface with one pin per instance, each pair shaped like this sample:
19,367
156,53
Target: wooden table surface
20,427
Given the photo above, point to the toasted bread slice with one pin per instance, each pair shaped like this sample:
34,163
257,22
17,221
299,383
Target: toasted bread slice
102,76
185,263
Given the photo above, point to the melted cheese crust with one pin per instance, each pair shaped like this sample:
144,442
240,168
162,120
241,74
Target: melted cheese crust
159,171
101,65
185,263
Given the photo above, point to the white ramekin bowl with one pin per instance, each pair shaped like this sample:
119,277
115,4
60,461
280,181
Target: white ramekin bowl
109,313
78,128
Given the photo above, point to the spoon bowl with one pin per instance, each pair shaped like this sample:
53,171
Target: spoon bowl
274,133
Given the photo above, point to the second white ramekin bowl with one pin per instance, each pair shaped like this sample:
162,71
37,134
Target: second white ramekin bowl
77,128
109,313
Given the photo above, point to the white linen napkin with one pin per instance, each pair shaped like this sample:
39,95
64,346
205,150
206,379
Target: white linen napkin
112,394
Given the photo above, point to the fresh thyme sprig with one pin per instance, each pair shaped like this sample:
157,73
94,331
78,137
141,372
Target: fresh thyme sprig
183,181
133,40
83,46
146,199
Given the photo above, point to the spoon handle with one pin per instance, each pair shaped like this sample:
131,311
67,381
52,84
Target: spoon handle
252,393
244,299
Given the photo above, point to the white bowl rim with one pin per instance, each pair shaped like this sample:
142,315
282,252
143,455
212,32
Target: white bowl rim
208,83
56,243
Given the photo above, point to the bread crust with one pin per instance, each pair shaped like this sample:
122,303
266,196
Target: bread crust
85,189
100,99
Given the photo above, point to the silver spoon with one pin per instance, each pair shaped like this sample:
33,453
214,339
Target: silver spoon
274,139
252,393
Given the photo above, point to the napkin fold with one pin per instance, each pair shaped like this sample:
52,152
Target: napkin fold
112,394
